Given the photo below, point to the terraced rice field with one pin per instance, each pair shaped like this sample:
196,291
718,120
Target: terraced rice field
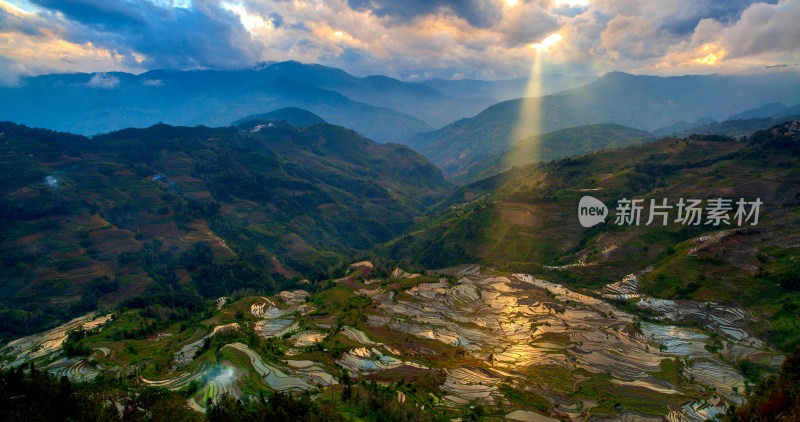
40,345
276,321
364,360
185,355
496,333
471,384
357,336
223,380
307,338
108,243
301,376
516,323
75,369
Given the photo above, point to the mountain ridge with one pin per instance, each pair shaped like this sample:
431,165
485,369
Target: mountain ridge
91,103
641,102
294,116
562,143
143,209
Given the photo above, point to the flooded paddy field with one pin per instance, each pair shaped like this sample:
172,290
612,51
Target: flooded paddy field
37,346
518,326
537,349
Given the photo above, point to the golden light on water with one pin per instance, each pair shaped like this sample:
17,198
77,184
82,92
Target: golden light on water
546,43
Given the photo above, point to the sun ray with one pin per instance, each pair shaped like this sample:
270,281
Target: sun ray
529,121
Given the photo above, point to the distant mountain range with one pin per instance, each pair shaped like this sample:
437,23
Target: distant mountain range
740,124
388,110
378,107
503,90
641,102
767,110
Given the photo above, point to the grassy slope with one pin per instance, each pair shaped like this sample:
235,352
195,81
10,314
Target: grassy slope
563,143
125,209
526,218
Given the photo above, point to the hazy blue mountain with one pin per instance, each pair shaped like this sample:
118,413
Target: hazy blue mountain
379,107
503,89
793,110
740,124
378,123
551,146
682,126
767,110
736,128
641,102
291,115
420,101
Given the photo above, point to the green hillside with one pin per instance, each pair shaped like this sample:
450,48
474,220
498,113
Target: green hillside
170,211
172,259
559,144
526,220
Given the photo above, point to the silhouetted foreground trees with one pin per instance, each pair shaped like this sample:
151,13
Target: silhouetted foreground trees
359,401
278,408
29,394
776,398
35,396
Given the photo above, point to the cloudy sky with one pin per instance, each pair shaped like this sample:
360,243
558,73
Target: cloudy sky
408,39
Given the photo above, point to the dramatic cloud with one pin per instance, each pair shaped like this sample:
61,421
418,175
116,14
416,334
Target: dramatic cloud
143,33
763,28
479,13
412,39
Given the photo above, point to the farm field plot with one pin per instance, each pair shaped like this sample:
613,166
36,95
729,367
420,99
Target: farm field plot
491,337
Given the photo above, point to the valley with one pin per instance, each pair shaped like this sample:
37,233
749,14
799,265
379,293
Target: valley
284,265
399,211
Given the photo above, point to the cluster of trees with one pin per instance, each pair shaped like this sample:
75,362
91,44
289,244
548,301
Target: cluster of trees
776,398
364,401
36,396
278,408
372,402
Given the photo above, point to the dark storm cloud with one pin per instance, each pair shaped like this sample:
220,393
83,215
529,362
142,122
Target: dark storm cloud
276,19
393,37
682,17
204,35
110,15
479,13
